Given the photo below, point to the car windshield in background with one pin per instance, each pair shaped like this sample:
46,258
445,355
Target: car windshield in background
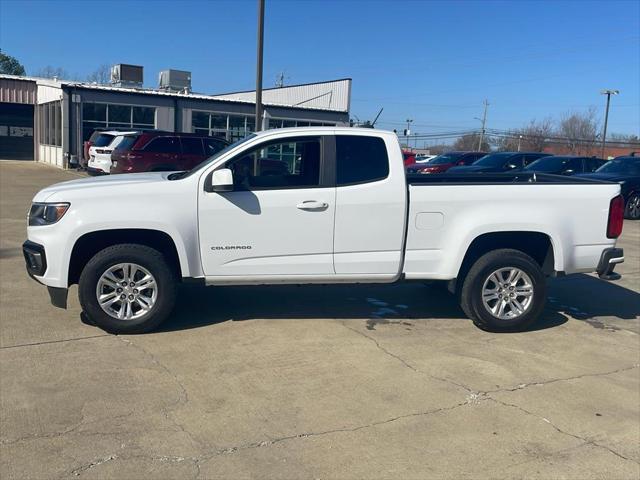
103,140
202,165
548,164
628,166
445,158
493,160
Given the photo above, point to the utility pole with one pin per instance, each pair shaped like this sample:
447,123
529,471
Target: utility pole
484,122
259,65
519,141
608,93
408,131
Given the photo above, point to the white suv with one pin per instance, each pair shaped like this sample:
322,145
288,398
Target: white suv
100,151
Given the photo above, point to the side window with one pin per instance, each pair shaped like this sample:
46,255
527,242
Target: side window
575,164
530,159
472,157
192,146
360,159
212,146
517,160
163,145
277,165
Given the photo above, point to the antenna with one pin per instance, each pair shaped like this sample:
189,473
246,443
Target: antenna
280,78
376,119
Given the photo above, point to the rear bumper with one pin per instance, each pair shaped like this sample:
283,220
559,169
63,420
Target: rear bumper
608,260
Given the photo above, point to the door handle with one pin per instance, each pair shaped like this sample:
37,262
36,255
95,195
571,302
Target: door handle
312,205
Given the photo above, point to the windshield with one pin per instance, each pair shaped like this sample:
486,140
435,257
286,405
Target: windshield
548,164
445,158
628,165
103,140
493,160
214,157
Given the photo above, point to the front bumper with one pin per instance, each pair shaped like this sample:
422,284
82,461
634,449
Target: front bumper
608,260
36,263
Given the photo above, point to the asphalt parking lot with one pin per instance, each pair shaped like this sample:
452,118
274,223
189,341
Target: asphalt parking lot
316,382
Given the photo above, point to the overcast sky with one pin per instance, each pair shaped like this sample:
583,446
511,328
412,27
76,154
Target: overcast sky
434,62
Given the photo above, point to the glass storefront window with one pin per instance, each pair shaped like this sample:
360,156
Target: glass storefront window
115,116
144,115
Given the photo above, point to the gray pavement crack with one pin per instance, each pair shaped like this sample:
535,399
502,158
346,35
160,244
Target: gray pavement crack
273,441
184,395
34,344
87,466
586,441
407,364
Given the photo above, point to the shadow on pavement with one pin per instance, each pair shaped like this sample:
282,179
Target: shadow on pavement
377,304
584,297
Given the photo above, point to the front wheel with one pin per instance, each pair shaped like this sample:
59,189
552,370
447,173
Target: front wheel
632,208
505,290
127,288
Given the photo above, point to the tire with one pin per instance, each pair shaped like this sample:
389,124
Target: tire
502,263
632,207
149,306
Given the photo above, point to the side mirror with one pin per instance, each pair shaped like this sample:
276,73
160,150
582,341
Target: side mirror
220,181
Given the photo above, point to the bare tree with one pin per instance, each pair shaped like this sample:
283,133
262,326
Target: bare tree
536,135
469,142
580,131
101,76
53,72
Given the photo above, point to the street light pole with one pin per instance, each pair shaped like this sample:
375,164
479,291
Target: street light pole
519,141
259,65
409,120
608,93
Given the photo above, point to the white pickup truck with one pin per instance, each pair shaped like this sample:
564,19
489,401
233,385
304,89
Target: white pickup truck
317,205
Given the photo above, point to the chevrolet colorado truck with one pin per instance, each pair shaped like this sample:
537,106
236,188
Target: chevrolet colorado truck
317,205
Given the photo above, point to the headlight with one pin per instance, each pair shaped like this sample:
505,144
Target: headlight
46,213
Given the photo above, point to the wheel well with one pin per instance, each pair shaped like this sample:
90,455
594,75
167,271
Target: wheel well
535,244
91,243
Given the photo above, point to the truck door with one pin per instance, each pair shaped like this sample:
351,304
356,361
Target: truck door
371,202
278,220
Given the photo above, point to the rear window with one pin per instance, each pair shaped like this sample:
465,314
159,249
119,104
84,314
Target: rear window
103,140
360,159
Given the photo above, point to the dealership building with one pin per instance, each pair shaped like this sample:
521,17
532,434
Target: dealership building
47,120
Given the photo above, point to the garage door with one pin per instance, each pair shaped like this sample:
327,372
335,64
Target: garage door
16,131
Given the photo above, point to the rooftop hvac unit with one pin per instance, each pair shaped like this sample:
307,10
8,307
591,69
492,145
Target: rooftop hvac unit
126,75
175,81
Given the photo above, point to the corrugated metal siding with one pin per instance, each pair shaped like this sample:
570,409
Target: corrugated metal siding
333,96
18,91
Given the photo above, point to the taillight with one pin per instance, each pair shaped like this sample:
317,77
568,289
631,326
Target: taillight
616,217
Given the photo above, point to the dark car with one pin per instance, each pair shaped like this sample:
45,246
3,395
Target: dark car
444,162
565,165
501,162
626,172
162,151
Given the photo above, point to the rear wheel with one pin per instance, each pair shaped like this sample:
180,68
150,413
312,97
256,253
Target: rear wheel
504,290
127,288
632,208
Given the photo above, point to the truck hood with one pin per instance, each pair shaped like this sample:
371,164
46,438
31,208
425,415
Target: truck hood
107,181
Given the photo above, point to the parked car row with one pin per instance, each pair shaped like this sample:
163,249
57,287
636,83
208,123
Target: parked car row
624,170
113,151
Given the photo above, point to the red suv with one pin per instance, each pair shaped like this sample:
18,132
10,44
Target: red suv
162,151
